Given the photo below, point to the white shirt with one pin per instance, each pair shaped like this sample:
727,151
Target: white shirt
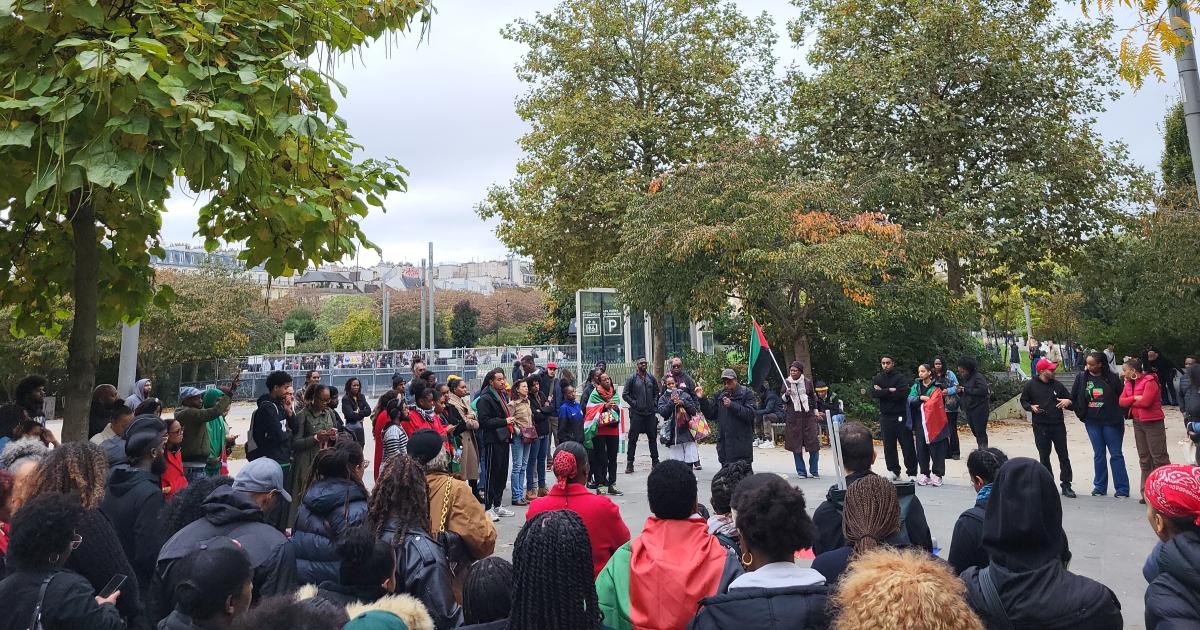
778,575
100,437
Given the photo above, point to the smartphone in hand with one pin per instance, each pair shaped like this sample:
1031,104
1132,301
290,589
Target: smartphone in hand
113,586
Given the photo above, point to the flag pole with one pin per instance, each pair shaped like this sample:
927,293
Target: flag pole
782,377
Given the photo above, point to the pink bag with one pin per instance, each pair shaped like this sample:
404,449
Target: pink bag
698,425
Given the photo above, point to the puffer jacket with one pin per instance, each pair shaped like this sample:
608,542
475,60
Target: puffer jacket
1173,596
423,571
1148,408
785,608
1046,598
330,507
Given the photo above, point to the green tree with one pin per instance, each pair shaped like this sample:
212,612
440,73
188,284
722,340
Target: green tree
1176,162
302,323
555,327
360,330
976,120
107,105
464,325
337,309
620,93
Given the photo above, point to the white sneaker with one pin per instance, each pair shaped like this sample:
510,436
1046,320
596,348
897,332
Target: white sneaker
891,476
767,444
756,443
935,481
492,515
503,511
922,480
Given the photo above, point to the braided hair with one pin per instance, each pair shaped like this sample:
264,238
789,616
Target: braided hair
985,463
79,467
553,580
400,495
487,593
871,514
724,483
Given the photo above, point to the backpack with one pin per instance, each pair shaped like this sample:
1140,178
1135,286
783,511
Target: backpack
905,493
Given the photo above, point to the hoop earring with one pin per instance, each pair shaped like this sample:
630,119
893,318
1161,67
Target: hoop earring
744,558
55,557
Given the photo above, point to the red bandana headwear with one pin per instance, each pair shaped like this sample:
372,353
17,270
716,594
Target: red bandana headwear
1174,491
564,467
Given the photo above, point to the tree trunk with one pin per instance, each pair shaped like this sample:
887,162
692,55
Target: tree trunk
658,339
954,275
81,347
801,351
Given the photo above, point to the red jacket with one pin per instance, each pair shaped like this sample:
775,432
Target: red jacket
606,529
173,480
1149,407
415,423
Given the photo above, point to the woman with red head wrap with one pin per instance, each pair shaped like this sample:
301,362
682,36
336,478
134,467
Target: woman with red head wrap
1173,569
606,529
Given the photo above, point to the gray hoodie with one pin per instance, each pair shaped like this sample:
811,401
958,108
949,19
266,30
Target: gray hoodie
137,394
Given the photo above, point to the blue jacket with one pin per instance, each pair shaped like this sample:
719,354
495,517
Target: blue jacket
330,507
570,422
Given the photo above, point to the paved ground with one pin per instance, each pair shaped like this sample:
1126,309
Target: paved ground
1109,537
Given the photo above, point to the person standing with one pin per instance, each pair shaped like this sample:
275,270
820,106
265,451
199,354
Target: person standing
1153,362
313,430
29,396
1014,359
733,408
800,431
271,436
677,407
570,417
602,427
1110,353
355,409
195,418
1035,353
138,393
554,398
496,427
1097,396
891,390
1053,352
539,452
641,394
522,442
682,380
973,399
173,481
947,381
1045,398
134,497
466,423
932,440
1141,397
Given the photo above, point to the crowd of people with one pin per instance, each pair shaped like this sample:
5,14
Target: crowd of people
141,526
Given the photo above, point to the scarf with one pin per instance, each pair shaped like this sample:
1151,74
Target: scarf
426,414
502,398
984,492
464,410
798,393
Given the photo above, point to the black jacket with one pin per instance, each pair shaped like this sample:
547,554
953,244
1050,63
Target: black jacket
354,409
891,403
1173,597
641,394
343,596
666,409
100,557
330,507
179,621
69,603
833,563
541,413
1045,396
735,423
493,421
827,519
271,431
785,608
1046,598
1097,399
229,513
973,396
133,502
966,546
772,404
423,571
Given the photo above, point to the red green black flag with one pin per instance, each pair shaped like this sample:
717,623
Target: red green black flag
759,362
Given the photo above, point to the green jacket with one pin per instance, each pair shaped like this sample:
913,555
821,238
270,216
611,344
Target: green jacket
216,433
612,590
195,428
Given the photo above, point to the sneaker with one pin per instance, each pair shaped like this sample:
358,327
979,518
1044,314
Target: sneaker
935,481
493,515
767,444
814,476
801,475
500,510
520,503
697,466
613,492
891,476
1068,492
542,491
922,480
1099,493
629,468
1121,495
755,443
591,485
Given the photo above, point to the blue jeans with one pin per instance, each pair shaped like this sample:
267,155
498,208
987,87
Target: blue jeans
1110,437
812,463
520,458
536,471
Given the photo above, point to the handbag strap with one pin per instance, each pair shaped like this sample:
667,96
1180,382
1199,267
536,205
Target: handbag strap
445,509
991,598
35,622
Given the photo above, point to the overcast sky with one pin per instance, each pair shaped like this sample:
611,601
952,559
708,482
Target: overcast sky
444,109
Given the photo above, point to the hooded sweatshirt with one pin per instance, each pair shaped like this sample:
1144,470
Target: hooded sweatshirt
1024,539
133,502
1173,597
137,394
217,430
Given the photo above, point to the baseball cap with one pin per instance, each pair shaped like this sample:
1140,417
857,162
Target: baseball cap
261,475
189,392
1045,364
728,375
551,365
145,431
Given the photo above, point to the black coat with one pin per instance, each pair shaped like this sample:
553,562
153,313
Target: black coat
1046,598
641,394
493,421
100,557
229,513
666,409
343,596
133,503
1173,597
423,571
735,423
891,403
973,397
330,507
69,603
354,409
271,432
785,608
966,546
827,519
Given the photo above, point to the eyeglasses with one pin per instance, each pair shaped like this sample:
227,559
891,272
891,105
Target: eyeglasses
76,541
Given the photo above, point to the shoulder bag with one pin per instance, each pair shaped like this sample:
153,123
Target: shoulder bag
452,544
35,622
